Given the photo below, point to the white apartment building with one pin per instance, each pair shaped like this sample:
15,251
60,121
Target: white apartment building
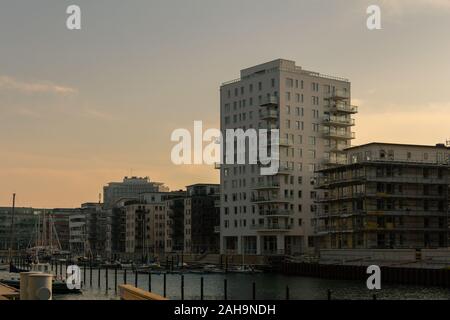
274,214
131,188
78,233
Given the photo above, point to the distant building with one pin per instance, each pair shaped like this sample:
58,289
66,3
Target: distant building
129,188
174,235
78,233
60,217
386,196
202,219
95,228
145,228
24,227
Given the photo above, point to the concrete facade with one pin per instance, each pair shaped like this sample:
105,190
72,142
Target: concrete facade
274,214
387,196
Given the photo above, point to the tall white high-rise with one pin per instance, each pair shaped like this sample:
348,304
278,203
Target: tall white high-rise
274,214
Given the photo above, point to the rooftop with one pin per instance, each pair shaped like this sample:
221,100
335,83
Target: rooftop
279,65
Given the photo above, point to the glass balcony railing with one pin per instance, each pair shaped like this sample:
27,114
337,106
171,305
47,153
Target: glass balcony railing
268,185
343,107
271,100
338,121
272,227
338,134
269,114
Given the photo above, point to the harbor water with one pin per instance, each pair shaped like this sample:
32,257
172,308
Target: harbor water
240,286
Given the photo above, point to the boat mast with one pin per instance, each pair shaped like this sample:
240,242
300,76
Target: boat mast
11,234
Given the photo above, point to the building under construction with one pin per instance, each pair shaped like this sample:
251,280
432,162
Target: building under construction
386,196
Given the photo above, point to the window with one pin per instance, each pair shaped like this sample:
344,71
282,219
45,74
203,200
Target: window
289,82
288,109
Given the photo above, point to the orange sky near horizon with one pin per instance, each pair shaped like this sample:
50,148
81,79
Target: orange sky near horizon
79,109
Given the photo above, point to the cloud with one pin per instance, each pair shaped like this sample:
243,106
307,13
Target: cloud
92,113
9,83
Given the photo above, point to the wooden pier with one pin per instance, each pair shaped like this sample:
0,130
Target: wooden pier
8,293
128,292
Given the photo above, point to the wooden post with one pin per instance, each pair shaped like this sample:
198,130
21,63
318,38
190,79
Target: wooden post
287,293
329,294
149,281
106,278
136,278
201,288
84,274
254,291
125,276
99,275
182,287
90,274
115,279
165,285
225,289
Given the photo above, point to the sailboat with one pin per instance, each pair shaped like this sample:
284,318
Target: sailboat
13,279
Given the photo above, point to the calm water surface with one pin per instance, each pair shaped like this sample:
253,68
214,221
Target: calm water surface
268,286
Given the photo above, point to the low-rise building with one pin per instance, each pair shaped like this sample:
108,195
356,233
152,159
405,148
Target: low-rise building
78,238
386,196
174,234
23,230
202,219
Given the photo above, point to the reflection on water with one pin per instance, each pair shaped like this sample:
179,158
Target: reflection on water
268,286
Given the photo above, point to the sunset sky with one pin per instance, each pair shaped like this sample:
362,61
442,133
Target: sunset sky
82,108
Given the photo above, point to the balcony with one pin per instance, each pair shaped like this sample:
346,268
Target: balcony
285,170
338,135
271,199
269,115
269,126
270,101
216,229
342,107
283,142
333,161
335,121
337,95
267,185
277,213
274,227
217,203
